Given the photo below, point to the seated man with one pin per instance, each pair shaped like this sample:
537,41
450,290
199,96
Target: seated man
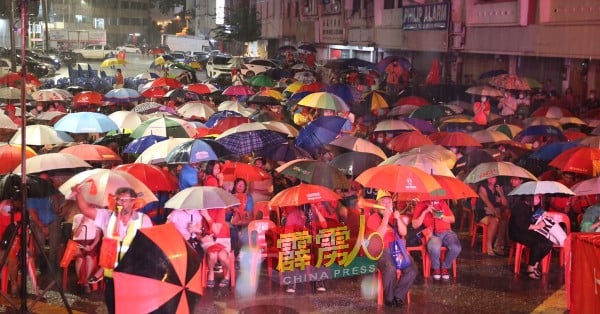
437,216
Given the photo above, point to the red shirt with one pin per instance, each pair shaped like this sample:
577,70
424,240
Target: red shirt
440,225
373,223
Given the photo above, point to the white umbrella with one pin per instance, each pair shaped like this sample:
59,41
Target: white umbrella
157,152
127,119
202,197
99,184
541,187
52,161
38,134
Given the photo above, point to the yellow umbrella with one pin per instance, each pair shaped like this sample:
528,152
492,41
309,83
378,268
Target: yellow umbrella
376,100
271,93
110,62
160,61
294,87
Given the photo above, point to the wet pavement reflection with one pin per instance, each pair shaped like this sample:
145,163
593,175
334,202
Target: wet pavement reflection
483,285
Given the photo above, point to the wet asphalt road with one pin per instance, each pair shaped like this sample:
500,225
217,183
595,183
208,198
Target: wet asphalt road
483,285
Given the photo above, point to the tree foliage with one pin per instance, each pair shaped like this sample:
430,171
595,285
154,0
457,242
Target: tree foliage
240,25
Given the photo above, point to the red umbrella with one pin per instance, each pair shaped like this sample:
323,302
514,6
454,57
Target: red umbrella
13,79
201,88
454,139
312,87
581,159
455,188
407,141
552,112
88,98
90,152
303,194
164,82
156,51
574,135
155,178
238,90
408,182
228,123
232,170
412,100
161,269
154,92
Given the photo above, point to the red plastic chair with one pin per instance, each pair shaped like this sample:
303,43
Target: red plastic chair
519,252
420,249
258,231
484,230
204,270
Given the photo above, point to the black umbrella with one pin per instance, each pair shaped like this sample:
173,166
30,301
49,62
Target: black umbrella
285,152
310,48
10,186
354,163
263,100
347,62
287,48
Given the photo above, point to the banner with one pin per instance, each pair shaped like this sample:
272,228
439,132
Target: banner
583,273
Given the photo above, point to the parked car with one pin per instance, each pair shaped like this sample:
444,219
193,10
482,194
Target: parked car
221,65
36,67
256,66
129,48
47,58
178,56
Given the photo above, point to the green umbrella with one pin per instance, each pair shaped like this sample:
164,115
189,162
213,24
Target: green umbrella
169,127
432,112
184,66
262,81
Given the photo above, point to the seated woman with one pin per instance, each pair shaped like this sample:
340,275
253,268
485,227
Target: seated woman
488,211
521,228
591,219
88,236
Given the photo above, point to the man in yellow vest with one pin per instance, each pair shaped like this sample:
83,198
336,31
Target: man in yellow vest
119,225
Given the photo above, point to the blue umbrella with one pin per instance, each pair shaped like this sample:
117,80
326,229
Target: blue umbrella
220,115
344,91
492,73
121,95
139,145
191,152
299,95
540,130
551,150
319,132
287,151
85,122
423,125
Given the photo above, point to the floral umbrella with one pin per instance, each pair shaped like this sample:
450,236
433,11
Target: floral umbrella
509,81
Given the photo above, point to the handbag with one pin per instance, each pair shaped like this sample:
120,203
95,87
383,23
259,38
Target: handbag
399,253
108,253
552,231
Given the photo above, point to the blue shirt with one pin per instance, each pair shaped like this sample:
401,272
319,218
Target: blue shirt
43,207
188,177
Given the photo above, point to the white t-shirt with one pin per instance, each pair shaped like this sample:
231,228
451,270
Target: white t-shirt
182,218
89,231
103,217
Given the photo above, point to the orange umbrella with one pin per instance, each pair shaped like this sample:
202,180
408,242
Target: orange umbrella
408,182
10,155
164,82
581,159
94,153
312,87
303,194
88,98
154,177
13,79
232,170
407,141
455,188
456,139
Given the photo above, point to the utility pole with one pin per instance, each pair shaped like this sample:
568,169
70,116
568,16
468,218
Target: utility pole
46,32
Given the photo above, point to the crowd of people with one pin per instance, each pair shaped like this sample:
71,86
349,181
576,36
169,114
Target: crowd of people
218,233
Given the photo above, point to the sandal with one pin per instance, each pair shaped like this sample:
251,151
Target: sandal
210,283
225,283
533,275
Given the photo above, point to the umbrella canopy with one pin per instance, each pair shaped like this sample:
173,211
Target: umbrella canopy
88,98
319,132
90,152
412,100
587,187
11,157
377,100
488,170
13,79
157,153
530,133
154,92
407,141
111,62
196,110
156,51
238,90
553,112
484,91
228,123
590,141
315,172
282,127
99,184
541,187
509,81
509,129
52,94
201,88
169,127
235,106
358,145
250,137
303,194
454,139
40,135
164,82
191,152
139,145
432,112
122,95
313,87
476,157
542,121
487,136
324,100
354,163
426,162
286,151
393,125
346,92
155,178
127,119
202,197
10,186
232,170
421,125
403,110
12,93
551,150
52,161
161,269
455,188
582,160
263,100
85,122
261,80
408,182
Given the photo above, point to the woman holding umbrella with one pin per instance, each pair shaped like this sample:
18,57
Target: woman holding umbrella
522,228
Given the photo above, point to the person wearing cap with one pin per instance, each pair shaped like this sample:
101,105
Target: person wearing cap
121,225
437,217
387,222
